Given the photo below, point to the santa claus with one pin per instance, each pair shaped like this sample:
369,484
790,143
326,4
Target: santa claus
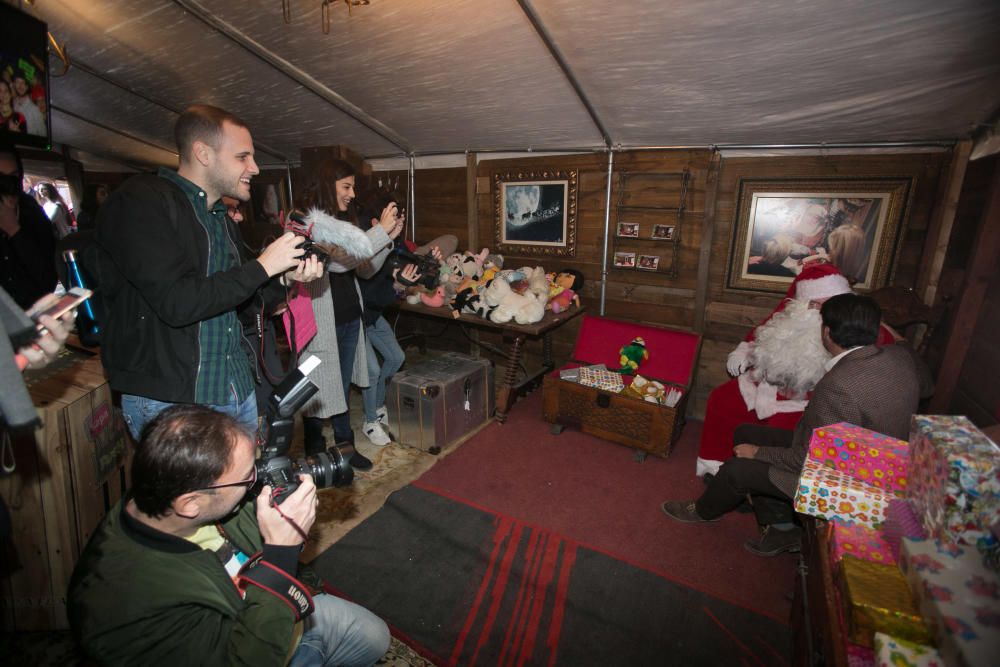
775,367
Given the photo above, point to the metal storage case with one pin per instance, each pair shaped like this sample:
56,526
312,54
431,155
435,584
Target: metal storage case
435,401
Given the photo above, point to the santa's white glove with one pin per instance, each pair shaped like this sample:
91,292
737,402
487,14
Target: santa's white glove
738,360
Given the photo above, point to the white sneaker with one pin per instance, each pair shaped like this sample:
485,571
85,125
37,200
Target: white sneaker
382,417
376,434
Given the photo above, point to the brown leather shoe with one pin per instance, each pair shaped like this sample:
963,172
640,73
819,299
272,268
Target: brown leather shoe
773,542
684,510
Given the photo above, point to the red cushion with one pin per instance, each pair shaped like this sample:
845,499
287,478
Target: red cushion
671,353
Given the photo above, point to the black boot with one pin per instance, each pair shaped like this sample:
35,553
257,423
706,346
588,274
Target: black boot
312,428
357,460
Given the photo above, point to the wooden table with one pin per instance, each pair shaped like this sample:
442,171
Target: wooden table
514,336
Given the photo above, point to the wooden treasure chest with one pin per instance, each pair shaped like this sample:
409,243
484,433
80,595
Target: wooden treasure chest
648,413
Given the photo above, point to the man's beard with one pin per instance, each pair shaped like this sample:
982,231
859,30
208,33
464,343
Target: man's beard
788,350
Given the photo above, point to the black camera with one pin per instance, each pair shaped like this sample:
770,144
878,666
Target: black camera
301,228
429,267
274,467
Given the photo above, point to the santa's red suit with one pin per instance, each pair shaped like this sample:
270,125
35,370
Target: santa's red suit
790,355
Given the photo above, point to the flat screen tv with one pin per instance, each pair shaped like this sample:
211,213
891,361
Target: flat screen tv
24,79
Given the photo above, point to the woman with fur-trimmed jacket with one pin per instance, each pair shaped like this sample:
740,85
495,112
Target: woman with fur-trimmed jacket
339,341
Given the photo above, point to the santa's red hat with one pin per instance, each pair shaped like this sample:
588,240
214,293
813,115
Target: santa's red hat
819,281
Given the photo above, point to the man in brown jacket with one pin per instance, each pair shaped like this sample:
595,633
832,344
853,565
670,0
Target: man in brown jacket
873,387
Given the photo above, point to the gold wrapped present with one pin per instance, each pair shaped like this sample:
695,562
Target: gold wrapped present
876,598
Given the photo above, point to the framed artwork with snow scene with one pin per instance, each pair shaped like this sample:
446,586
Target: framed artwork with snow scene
535,212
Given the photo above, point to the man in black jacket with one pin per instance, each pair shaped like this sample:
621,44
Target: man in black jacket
172,276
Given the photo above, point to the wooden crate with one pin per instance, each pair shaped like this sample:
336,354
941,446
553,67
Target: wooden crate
633,422
69,473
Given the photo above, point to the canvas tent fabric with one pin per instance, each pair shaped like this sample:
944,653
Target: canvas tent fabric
397,78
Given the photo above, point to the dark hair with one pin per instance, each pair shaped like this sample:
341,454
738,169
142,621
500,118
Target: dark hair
376,202
49,192
185,448
853,319
577,278
7,148
201,122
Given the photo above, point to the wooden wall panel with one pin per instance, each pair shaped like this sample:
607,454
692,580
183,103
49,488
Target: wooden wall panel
657,298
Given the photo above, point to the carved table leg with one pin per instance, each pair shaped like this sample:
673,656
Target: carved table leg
547,352
506,395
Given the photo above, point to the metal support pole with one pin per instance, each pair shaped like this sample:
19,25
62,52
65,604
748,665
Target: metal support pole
411,197
607,229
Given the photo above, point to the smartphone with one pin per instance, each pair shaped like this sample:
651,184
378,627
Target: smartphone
69,301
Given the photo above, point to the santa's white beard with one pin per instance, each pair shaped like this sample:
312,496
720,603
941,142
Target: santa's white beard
788,350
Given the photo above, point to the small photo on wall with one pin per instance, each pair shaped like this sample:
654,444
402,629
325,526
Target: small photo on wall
628,229
625,260
663,232
649,262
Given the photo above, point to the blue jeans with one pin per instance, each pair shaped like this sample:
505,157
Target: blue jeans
347,347
139,411
379,336
341,633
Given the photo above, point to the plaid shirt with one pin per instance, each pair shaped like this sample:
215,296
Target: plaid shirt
223,366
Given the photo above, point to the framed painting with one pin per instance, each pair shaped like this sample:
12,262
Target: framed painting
535,212
782,225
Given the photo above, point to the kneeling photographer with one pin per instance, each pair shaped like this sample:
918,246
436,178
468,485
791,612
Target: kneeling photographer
189,569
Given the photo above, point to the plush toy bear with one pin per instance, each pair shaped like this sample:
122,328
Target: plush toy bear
632,355
509,305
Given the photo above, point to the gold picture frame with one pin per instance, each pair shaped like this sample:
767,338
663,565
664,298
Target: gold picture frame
782,224
535,212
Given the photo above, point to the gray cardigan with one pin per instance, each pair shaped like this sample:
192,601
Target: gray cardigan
330,399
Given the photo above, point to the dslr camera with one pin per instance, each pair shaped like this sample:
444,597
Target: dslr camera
297,224
274,467
429,267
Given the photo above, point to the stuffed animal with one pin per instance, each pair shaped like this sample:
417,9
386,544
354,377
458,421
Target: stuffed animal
565,290
632,355
470,302
435,300
509,305
471,265
537,282
492,266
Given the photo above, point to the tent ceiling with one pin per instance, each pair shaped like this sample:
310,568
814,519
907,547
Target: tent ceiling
441,76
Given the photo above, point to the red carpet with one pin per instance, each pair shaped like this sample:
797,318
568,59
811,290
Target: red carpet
594,492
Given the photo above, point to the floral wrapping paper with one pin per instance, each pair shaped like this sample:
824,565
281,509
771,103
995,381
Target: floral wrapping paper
860,541
901,521
869,456
876,598
831,494
959,598
954,479
895,652
602,379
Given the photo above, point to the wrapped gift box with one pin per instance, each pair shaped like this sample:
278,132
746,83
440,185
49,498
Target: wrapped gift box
601,378
860,541
869,456
895,652
876,598
954,479
831,494
901,521
959,599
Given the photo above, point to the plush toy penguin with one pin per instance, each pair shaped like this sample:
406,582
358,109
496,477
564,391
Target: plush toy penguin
632,355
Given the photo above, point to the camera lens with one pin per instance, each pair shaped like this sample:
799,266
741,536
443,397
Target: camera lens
326,468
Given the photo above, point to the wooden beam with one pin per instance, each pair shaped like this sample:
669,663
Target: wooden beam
707,236
942,221
471,202
981,267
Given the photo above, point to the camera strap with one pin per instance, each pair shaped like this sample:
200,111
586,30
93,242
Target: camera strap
258,572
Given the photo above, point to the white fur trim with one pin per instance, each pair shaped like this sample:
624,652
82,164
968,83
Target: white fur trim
822,288
707,467
329,231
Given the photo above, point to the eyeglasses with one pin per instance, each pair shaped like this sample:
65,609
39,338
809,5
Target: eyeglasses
246,482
